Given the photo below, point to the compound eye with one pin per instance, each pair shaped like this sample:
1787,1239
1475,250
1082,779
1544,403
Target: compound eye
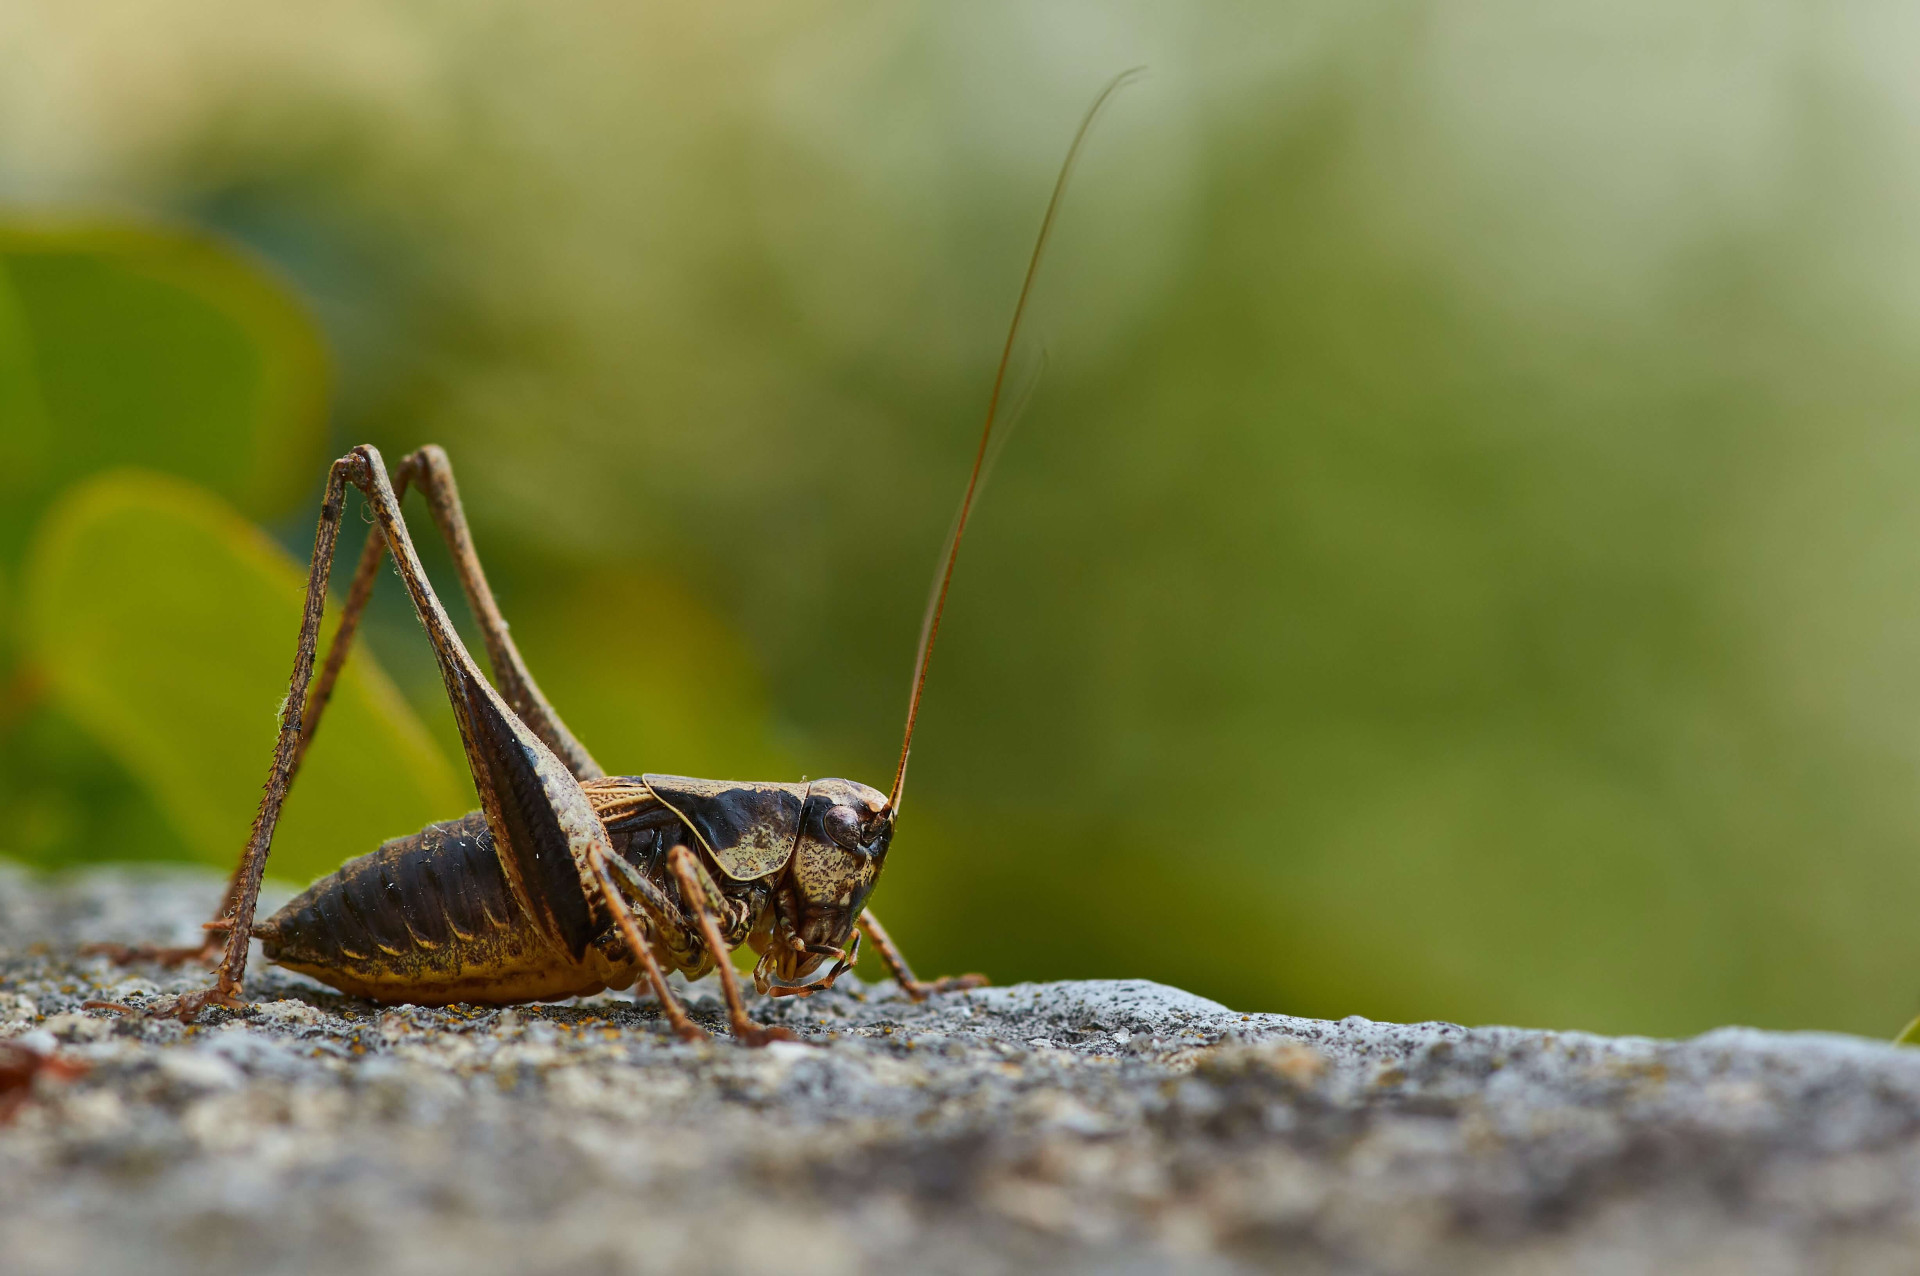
843,826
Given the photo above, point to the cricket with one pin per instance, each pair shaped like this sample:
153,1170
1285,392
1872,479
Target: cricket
568,881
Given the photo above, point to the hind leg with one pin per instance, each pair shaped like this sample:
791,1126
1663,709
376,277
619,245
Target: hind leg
372,554
244,889
359,592
683,1026
542,823
429,470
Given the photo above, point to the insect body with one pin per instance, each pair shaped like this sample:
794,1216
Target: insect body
433,918
567,880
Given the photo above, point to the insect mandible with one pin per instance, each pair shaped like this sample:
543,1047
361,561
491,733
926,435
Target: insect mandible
568,881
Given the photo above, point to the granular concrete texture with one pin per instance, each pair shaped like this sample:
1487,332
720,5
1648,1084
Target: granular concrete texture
1109,1126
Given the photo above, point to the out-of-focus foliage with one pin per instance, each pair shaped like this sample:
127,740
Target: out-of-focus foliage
164,622
119,346
123,346
1460,559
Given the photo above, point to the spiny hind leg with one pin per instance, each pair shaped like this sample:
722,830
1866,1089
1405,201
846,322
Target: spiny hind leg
918,989
544,826
534,807
318,697
529,795
695,889
372,554
228,933
429,470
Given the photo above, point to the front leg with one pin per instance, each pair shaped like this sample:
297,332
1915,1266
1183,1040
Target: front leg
918,989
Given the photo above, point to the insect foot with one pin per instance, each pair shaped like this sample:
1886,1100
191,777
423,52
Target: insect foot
921,989
687,1030
186,1007
756,1034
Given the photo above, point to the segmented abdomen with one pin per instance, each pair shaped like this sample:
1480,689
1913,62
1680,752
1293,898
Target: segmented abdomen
429,919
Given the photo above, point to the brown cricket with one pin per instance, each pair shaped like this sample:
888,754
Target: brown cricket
568,881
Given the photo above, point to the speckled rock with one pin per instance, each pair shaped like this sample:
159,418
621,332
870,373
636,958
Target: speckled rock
1103,1126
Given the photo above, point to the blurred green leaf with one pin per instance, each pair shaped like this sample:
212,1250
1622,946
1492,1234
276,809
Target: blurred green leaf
68,801
166,624
158,348
1909,1035
125,345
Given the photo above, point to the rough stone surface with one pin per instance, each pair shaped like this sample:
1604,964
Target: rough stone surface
1106,1126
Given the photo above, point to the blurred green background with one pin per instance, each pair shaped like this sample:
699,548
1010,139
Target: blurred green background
1461,560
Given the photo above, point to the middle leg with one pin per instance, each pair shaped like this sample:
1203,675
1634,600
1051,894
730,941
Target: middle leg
683,1026
693,891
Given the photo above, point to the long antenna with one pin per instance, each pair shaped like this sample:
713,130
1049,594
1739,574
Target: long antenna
930,624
